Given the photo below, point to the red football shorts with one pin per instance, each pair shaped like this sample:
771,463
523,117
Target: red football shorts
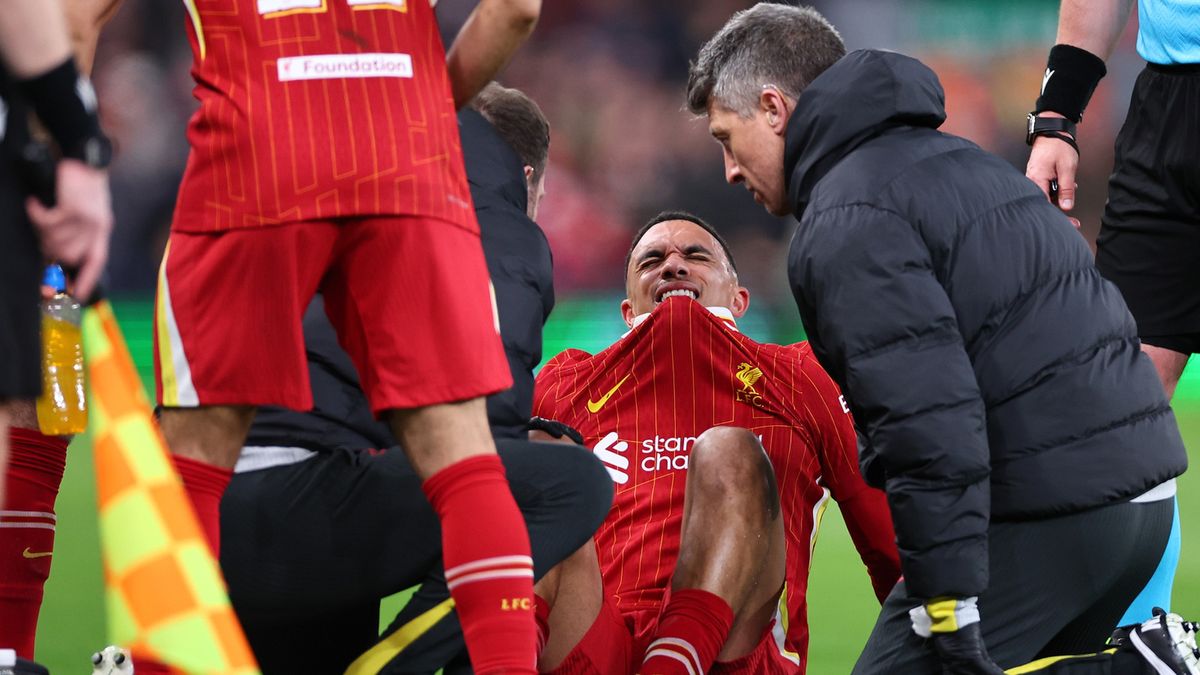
410,299
610,648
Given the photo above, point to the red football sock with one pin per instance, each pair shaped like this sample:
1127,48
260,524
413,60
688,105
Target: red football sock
35,473
485,548
204,484
690,633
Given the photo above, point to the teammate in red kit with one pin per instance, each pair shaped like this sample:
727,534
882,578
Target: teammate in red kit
325,155
702,564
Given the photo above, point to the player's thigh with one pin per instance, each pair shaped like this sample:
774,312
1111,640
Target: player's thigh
769,657
412,304
228,315
335,530
563,492
607,648
20,322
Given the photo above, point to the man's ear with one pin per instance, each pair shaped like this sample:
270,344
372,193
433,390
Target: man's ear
776,107
741,302
627,312
528,173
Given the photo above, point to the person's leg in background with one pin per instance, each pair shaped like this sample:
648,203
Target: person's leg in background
1149,245
226,342
228,337
27,523
411,304
1169,364
32,461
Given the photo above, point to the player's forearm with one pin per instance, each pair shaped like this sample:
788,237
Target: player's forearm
33,37
1093,25
870,525
489,38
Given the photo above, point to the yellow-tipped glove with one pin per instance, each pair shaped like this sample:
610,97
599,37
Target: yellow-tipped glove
953,625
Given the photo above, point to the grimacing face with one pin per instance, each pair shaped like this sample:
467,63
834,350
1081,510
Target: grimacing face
678,257
753,147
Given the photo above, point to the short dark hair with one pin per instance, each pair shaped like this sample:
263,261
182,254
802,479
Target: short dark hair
519,121
679,215
768,44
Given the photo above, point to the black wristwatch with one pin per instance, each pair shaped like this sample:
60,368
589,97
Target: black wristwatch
95,150
1047,126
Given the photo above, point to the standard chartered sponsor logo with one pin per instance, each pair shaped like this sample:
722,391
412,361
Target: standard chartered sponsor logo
337,66
607,450
661,453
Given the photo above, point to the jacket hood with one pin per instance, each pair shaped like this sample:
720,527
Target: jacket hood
861,96
492,165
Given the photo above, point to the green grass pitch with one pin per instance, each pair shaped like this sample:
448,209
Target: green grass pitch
842,607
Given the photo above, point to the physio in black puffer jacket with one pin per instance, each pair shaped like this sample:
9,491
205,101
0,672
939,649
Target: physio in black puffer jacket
1024,441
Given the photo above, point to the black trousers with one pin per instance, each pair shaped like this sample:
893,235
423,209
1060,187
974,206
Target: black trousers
309,549
1057,586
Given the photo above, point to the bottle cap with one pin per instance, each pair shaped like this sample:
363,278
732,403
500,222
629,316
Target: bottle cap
55,278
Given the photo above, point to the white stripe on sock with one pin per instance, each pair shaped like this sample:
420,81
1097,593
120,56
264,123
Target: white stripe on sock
30,514
485,576
500,560
672,655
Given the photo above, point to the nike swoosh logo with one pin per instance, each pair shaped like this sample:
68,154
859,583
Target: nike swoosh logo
595,407
31,554
1045,79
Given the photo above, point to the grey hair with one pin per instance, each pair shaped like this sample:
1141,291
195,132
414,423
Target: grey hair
767,45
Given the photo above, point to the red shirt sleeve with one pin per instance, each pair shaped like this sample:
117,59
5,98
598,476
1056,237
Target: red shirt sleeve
863,508
548,386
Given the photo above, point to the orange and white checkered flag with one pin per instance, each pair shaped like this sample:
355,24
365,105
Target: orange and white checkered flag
165,595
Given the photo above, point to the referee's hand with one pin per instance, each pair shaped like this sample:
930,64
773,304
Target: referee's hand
1052,167
75,231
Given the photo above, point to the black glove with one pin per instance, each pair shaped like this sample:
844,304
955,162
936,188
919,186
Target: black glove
963,653
555,428
953,625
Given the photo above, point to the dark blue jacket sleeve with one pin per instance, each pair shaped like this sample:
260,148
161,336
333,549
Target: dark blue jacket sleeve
883,326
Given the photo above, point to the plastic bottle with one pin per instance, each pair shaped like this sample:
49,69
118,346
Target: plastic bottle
62,408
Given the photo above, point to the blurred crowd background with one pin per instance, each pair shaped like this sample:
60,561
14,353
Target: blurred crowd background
610,74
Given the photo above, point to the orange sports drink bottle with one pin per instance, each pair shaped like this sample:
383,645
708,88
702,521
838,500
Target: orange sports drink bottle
62,407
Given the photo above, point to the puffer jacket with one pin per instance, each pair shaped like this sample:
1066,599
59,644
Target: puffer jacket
992,372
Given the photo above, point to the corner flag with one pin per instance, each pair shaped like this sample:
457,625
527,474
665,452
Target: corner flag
164,592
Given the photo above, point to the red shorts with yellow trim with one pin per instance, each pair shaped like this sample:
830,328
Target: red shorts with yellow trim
409,297
610,647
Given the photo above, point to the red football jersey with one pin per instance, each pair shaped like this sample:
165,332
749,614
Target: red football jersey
642,402
317,109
